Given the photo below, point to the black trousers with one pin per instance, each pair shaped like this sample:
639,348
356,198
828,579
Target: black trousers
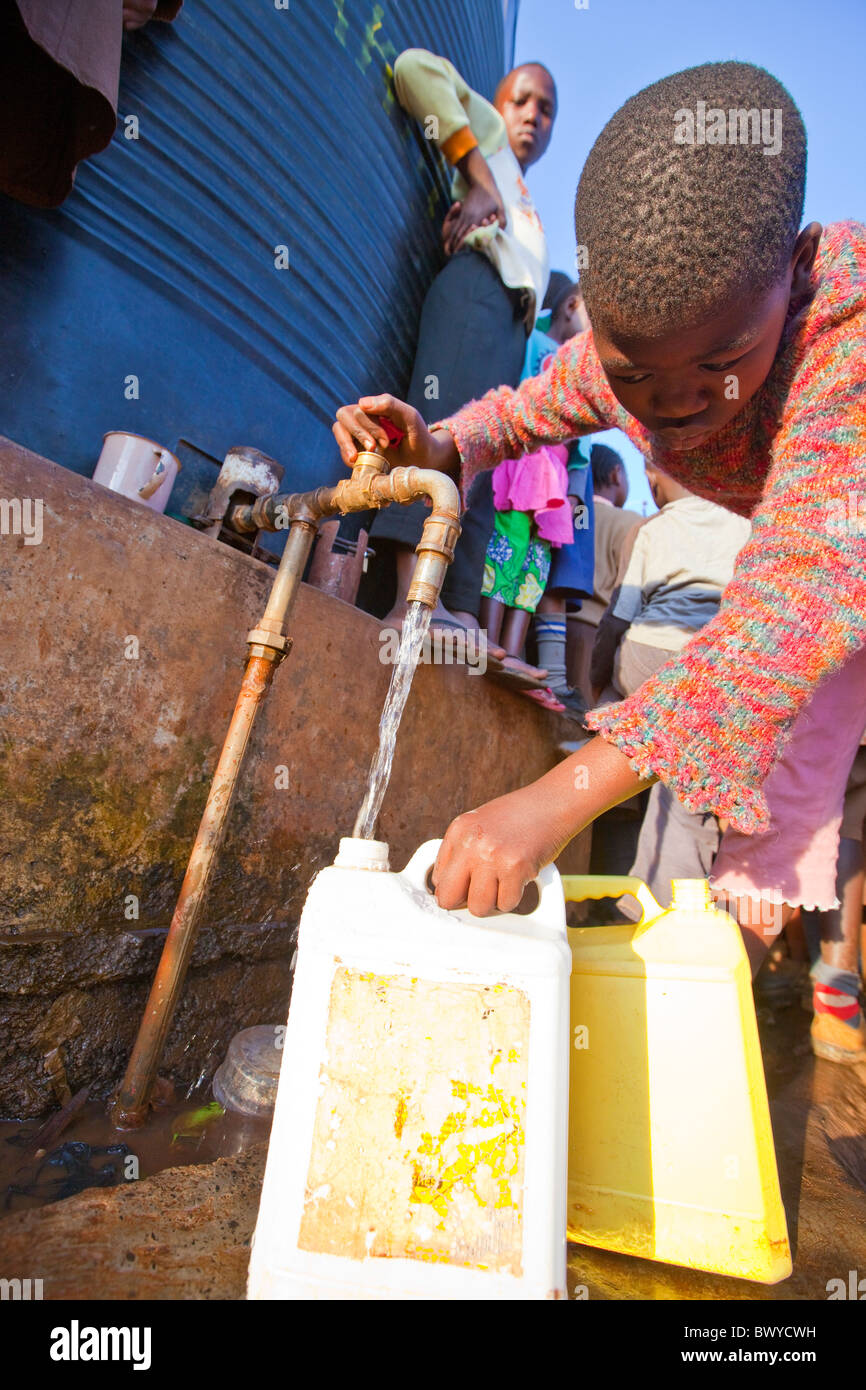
472,338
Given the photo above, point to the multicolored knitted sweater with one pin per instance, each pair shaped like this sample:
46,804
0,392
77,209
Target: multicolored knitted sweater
712,722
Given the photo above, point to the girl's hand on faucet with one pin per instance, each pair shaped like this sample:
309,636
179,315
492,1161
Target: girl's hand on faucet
356,427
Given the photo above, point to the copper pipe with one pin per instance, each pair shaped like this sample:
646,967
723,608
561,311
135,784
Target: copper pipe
130,1107
268,644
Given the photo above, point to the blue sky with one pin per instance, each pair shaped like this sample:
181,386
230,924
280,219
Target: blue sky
603,54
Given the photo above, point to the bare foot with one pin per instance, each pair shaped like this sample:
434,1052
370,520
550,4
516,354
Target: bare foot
546,699
513,663
468,620
440,617
443,620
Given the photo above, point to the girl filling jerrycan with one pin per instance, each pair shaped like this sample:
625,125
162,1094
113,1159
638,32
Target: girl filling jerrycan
419,1144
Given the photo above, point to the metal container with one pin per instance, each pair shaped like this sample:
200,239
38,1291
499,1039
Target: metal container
138,468
237,271
338,563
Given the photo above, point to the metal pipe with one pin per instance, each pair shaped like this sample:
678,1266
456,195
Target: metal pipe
369,488
130,1107
268,643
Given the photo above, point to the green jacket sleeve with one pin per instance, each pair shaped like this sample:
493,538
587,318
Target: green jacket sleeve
428,86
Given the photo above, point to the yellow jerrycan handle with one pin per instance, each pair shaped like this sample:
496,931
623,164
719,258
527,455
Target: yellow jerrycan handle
578,887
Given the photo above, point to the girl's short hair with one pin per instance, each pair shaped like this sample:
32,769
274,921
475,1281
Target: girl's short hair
693,190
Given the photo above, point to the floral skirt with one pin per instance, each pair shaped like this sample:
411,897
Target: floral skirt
517,564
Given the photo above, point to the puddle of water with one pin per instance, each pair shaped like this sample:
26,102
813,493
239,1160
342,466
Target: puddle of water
82,1156
412,635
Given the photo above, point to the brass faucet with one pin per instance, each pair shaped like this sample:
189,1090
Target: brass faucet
370,486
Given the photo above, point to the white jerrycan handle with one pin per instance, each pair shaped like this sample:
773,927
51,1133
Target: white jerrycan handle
551,903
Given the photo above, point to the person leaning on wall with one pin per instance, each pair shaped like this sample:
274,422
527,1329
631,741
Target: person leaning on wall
60,72
482,305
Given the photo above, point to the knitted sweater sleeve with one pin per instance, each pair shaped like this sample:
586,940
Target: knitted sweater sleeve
569,399
712,723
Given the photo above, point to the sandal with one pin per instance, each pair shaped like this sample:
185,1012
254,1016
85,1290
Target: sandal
546,698
574,703
513,678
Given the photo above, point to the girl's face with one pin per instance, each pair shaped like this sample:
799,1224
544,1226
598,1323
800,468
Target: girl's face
685,386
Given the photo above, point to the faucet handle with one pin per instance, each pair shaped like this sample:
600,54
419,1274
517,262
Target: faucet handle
394,433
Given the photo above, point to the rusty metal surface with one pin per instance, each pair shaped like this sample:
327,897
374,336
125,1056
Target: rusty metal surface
337,571
122,640
244,470
268,644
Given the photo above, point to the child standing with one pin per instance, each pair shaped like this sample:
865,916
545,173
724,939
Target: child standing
613,531
482,305
530,496
534,499
730,346
681,561
572,567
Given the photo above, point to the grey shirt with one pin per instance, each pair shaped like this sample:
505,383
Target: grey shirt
681,560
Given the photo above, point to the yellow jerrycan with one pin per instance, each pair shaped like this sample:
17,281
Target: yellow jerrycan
670,1148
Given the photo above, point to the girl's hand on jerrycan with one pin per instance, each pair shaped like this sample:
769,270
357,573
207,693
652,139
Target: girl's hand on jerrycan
357,427
488,856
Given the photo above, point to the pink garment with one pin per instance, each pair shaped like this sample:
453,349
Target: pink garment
537,483
795,860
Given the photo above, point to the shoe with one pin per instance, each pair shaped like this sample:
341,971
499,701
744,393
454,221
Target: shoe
781,979
835,1041
573,701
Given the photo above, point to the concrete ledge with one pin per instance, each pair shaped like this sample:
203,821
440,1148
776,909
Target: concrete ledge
123,647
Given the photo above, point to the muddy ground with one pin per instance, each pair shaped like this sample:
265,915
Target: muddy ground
185,1233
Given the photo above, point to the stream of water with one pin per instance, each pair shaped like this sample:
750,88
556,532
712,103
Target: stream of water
414,630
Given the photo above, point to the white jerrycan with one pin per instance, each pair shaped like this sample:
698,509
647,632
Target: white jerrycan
420,1139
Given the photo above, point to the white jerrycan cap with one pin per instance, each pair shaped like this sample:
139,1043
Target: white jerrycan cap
362,854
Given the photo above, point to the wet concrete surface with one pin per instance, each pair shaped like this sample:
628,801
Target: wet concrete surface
185,1233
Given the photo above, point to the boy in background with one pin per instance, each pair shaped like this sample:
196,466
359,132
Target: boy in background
671,586
482,306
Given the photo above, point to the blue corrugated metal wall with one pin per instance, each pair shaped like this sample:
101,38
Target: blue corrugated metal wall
258,127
